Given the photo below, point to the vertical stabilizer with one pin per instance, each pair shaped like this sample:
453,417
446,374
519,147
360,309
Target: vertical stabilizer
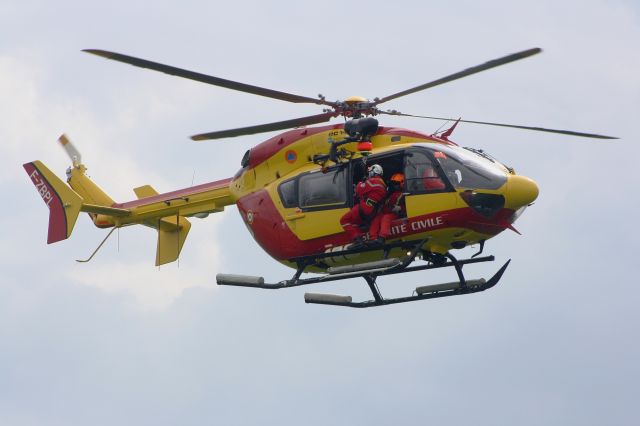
172,233
63,202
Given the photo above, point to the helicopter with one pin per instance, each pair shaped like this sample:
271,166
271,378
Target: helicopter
292,190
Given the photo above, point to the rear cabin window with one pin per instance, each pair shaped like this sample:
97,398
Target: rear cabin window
316,190
322,189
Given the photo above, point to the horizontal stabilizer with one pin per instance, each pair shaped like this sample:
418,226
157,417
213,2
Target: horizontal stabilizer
110,211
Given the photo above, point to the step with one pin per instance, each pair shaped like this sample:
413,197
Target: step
448,286
240,280
326,298
367,266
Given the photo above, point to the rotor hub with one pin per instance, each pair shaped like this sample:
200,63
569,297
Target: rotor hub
356,107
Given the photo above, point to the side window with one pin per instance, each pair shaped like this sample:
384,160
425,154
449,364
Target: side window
288,193
323,190
421,175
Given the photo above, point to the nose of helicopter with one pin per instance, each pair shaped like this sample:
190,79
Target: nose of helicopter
521,191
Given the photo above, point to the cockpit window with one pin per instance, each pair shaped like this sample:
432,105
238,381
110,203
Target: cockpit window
467,170
421,174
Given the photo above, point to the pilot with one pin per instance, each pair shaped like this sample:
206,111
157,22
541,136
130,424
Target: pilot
392,209
369,194
431,180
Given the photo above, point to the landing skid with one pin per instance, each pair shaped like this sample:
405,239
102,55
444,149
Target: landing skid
370,271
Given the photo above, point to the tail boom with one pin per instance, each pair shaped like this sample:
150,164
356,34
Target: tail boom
167,213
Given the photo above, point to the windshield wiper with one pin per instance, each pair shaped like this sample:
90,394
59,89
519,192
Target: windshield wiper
481,153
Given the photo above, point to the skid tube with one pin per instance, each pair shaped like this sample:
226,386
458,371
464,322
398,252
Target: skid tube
370,271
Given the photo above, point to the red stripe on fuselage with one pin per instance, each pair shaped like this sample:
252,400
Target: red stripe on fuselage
174,194
271,231
267,149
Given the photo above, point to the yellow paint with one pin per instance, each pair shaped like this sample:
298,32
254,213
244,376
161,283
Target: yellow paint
172,233
355,99
317,224
422,204
168,216
88,190
145,191
71,201
321,223
521,191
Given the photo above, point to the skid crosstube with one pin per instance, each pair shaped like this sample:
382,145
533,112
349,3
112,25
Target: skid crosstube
369,272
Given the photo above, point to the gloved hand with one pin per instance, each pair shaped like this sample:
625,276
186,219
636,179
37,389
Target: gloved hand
396,209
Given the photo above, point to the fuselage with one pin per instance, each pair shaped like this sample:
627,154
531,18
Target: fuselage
454,196
293,189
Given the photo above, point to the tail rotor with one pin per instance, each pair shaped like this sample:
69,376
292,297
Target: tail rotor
72,151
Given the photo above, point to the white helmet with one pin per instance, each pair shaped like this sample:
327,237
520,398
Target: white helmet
375,170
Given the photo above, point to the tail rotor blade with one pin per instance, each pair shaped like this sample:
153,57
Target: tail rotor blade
72,151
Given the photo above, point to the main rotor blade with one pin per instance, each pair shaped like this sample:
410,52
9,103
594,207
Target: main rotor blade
279,125
209,79
473,70
537,129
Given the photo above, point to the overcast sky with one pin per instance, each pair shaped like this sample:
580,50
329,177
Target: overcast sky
119,341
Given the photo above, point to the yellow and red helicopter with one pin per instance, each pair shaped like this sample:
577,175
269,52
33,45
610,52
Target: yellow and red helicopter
293,188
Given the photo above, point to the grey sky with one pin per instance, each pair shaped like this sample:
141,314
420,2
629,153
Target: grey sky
117,341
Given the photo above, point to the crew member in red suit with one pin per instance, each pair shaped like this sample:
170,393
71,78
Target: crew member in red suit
431,180
369,196
392,209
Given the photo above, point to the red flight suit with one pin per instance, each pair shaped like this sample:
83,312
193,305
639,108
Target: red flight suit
370,194
381,224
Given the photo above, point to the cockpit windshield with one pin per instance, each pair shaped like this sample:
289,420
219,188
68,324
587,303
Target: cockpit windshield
468,170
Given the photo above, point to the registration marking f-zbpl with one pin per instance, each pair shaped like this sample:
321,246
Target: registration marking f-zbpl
42,187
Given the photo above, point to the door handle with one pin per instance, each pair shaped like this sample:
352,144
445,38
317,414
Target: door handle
295,216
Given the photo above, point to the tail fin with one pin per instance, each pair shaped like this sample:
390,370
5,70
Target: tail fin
172,230
172,233
63,202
